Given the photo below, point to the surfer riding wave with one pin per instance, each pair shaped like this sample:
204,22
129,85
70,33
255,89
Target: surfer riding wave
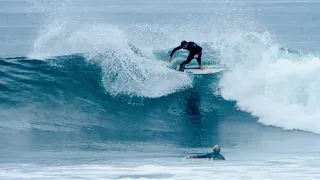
195,51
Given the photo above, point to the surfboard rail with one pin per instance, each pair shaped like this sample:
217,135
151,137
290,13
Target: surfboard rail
195,69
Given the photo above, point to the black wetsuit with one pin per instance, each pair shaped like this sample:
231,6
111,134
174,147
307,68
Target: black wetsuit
213,155
194,49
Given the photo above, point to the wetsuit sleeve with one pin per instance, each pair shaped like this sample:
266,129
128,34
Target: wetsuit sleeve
175,49
202,156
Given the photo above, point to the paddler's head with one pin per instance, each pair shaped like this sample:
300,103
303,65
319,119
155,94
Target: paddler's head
216,149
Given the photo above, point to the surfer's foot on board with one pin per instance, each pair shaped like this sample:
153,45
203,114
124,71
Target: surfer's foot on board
178,67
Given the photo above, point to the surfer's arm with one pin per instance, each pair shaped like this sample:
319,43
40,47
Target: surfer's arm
200,156
174,50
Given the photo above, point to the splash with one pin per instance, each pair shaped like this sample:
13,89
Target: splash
277,85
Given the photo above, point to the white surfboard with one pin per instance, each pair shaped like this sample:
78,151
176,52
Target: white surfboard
195,69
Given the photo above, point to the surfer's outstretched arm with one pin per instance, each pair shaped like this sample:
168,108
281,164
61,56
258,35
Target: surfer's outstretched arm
174,50
200,156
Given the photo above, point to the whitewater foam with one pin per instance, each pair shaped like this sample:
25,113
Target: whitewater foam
271,83
158,169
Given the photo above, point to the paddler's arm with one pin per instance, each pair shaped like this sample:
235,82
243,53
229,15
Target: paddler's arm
200,156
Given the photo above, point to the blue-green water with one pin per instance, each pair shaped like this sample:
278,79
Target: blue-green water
85,92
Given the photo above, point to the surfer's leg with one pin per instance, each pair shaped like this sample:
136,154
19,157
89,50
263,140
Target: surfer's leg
199,58
181,66
190,57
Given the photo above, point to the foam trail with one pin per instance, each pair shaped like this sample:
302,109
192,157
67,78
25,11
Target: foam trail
276,85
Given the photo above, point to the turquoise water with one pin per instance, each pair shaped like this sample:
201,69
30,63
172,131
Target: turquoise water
85,92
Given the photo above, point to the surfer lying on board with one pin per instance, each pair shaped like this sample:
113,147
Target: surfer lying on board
195,51
215,155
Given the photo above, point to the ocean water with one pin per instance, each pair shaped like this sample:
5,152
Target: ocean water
85,92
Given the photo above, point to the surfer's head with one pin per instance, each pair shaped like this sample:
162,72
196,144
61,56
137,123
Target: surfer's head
184,43
216,149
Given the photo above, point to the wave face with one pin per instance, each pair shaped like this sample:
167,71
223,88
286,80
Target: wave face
264,78
63,103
